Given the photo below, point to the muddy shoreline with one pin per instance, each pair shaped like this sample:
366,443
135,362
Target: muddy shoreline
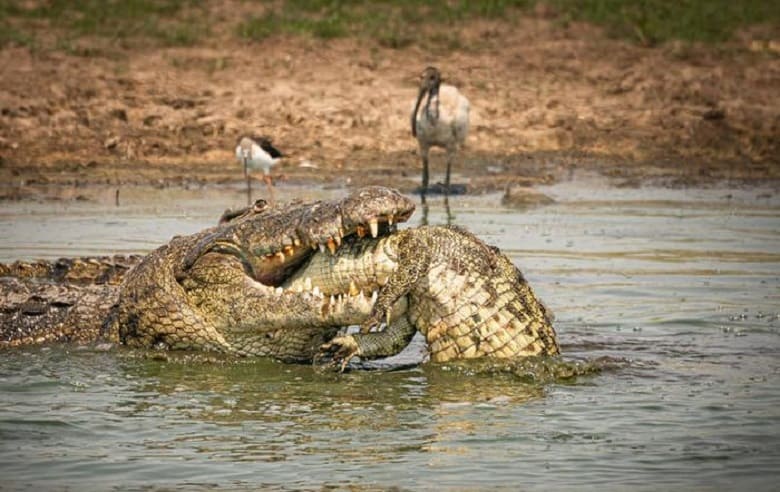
547,102
494,174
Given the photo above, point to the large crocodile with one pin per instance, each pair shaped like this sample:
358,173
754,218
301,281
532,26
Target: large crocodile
66,300
219,289
464,296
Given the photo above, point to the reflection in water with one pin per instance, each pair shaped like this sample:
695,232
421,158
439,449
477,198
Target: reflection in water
294,410
425,210
447,211
259,383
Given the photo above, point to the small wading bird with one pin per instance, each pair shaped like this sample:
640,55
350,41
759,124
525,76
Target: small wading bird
443,121
257,153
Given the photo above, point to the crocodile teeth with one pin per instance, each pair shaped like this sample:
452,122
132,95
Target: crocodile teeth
280,255
289,250
307,283
374,296
353,290
338,240
322,248
296,241
279,291
361,231
332,300
390,219
374,225
332,246
316,291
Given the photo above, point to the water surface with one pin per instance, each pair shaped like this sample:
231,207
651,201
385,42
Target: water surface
684,284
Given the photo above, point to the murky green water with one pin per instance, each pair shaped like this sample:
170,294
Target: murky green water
685,284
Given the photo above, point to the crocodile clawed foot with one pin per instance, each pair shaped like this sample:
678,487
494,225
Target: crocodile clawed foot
375,321
339,351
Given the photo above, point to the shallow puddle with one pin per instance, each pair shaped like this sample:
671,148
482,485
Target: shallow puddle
684,285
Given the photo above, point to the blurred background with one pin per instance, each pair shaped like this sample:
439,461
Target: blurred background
158,92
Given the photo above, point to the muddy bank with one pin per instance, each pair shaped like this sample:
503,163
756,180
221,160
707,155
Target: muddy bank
547,100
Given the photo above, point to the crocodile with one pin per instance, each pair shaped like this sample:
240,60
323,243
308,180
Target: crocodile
245,289
65,300
86,270
464,296
219,289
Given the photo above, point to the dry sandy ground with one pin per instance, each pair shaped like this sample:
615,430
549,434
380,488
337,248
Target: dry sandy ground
546,100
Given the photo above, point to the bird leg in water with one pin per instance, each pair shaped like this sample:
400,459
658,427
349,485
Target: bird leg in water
269,182
424,190
450,158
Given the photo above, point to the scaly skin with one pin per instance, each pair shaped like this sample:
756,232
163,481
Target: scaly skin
66,300
85,270
33,312
202,291
220,289
464,296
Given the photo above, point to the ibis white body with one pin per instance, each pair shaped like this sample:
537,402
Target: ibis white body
450,127
442,121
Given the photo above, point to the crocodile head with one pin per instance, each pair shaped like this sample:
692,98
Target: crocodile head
273,242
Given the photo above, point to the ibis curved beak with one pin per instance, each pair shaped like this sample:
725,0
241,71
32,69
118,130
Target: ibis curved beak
422,92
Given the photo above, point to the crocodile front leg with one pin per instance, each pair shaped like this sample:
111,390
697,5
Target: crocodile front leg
413,260
413,256
390,341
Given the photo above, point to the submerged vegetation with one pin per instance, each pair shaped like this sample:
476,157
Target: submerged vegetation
59,24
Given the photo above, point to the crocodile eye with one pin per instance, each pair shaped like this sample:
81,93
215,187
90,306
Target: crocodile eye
259,205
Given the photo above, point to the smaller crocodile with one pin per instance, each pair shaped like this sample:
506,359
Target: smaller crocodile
464,296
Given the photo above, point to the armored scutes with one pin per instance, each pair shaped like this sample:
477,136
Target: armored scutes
66,300
464,296
282,281
219,289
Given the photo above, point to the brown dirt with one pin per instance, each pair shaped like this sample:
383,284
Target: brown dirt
546,100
